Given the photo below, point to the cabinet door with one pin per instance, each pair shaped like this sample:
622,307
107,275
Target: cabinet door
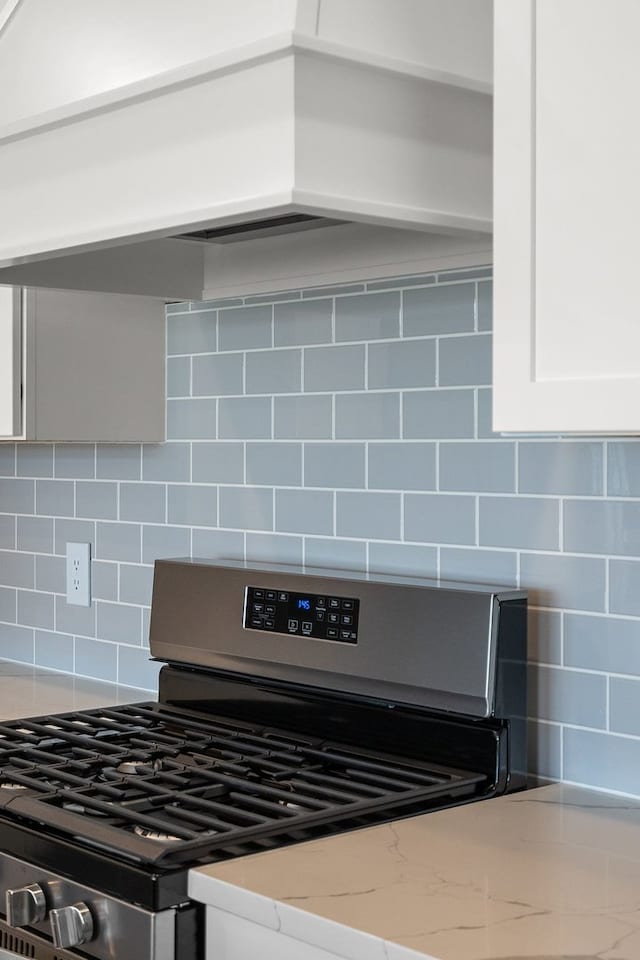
567,209
10,362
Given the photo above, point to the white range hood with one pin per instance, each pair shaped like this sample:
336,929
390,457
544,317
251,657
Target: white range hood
133,130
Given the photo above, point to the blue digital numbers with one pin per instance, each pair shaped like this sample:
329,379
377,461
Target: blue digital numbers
304,604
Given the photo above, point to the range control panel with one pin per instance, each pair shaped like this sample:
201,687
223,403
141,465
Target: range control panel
321,617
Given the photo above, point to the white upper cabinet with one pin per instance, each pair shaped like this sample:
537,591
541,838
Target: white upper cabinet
10,363
566,215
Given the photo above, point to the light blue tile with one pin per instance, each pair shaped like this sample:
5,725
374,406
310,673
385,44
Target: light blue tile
567,696
438,414
362,416
303,418
527,522
371,316
54,650
334,368
573,583
8,604
104,580
625,706
216,303
51,574
479,467
403,559
434,310
168,462
274,371
136,583
601,526
143,501
119,622
334,291
137,670
191,419
17,496
35,534
16,643
79,621
35,460
118,541
97,499
245,418
55,498
7,459
608,644
544,636
246,508
192,505
217,376
245,328
75,461
421,280
455,276
402,466
304,511
192,332
296,324
222,544
164,541
410,363
623,468
96,659
17,569
374,516
333,554
217,462
36,609
8,532
439,518
146,624
624,587
485,415
334,465
465,360
76,531
274,548
560,467
122,462
485,566
278,296
545,749
180,307
601,760
485,305
178,376
276,464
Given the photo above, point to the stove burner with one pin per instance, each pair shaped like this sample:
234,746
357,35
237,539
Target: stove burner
148,834
8,785
136,768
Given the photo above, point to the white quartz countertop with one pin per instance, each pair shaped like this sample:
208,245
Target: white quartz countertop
550,874
32,691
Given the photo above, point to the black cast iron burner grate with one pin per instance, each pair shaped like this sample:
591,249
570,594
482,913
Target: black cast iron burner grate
166,787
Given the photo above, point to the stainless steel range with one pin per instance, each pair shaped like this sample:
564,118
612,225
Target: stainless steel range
293,704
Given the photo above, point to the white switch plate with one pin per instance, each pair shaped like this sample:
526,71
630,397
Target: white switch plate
79,574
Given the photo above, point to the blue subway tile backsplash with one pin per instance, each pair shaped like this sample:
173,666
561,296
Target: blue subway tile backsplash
346,426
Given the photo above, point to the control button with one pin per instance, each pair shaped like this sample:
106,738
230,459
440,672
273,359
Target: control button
345,634
321,602
269,624
346,619
271,594
270,610
25,905
256,622
320,614
71,926
307,626
258,594
293,625
332,633
258,607
347,604
334,603
283,597
334,618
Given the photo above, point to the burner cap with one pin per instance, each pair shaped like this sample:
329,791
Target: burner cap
8,785
134,767
147,833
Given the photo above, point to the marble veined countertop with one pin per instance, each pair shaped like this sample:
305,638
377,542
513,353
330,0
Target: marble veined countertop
27,691
550,874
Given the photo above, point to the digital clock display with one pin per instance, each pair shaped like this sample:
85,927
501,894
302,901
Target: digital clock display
304,603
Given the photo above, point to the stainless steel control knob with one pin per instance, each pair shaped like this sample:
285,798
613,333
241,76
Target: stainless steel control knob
25,906
71,926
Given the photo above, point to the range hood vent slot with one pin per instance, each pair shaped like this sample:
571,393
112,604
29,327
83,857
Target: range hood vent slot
255,229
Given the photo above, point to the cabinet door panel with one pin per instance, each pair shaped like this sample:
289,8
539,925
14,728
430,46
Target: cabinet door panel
10,362
567,205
